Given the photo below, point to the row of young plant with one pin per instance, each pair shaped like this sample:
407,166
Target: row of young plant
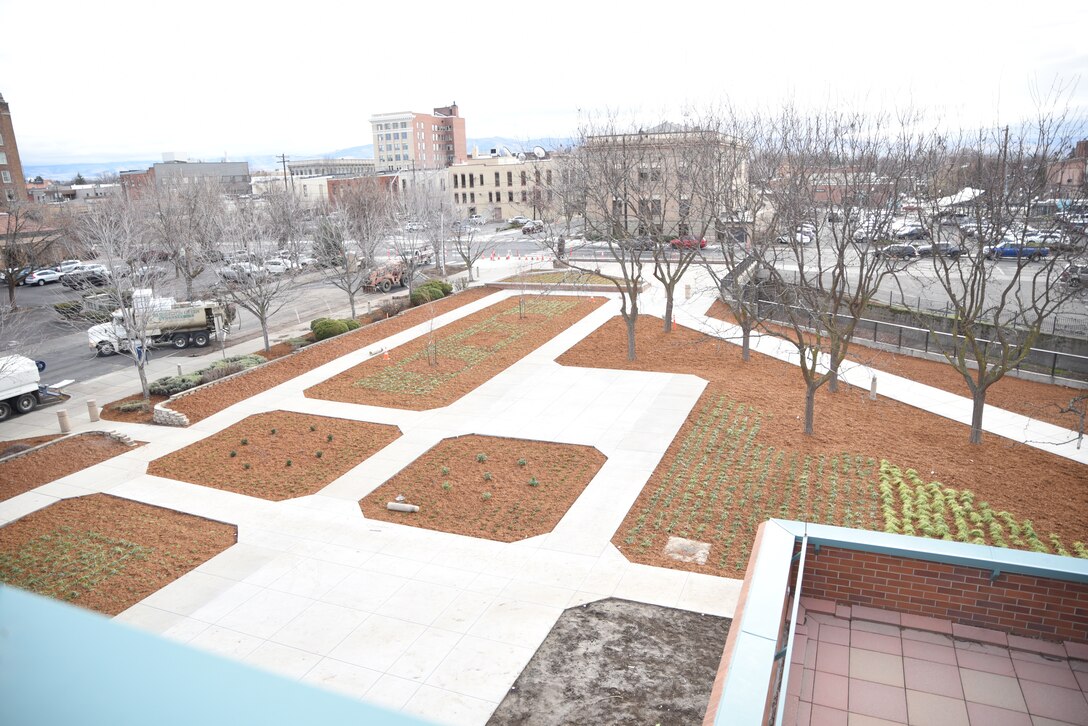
911,506
722,483
403,376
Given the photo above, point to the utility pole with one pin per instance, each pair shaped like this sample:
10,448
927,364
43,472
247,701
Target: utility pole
283,160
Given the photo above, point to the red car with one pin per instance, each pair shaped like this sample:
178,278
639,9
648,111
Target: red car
688,242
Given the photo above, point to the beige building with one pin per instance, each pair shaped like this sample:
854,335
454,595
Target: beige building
666,181
409,140
332,167
500,187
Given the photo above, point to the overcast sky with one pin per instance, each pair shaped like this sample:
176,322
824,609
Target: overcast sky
118,79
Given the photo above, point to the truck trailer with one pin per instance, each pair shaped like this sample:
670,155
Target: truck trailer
177,324
20,386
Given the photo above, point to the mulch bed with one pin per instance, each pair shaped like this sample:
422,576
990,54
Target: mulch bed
1023,480
213,399
277,455
461,360
66,457
110,411
16,445
105,553
1042,401
449,485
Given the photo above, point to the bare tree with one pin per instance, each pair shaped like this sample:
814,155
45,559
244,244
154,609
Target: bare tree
1002,287
253,229
469,246
29,237
187,224
343,261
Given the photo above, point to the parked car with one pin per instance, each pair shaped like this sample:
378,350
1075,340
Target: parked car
806,228
476,219
939,249
637,243
67,265
20,275
87,276
412,227
532,227
1075,274
1014,248
148,272
898,252
240,272
688,242
912,233
41,277
518,220
797,238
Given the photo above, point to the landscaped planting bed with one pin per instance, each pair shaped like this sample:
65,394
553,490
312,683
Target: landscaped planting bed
741,457
277,455
560,277
434,371
62,458
1038,400
213,399
106,553
484,486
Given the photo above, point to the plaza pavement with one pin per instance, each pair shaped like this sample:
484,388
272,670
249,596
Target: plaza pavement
437,625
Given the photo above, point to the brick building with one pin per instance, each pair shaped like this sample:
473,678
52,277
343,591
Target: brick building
409,140
12,183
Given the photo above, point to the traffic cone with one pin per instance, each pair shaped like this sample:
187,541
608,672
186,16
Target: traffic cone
385,356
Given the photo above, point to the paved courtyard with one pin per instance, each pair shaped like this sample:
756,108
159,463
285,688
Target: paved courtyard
434,624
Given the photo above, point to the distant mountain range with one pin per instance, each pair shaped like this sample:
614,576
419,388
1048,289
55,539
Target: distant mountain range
91,170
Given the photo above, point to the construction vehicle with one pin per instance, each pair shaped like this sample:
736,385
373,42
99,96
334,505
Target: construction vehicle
386,277
164,322
20,386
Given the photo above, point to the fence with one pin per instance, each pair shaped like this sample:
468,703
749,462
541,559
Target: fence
906,337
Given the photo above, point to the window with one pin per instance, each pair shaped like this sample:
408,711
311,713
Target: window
548,177
463,181
481,180
455,199
524,178
5,176
524,195
510,180
496,178
455,181
3,158
509,196
489,195
537,177
472,181
472,197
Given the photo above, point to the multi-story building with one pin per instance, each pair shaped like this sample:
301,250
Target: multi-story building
332,167
500,187
232,176
409,140
86,193
1066,179
12,183
668,180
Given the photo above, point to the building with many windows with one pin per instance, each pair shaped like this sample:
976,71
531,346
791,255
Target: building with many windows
12,183
409,140
232,176
500,187
331,167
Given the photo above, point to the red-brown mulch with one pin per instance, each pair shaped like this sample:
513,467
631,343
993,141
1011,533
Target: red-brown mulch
213,399
1042,401
259,467
62,458
465,359
15,445
105,553
448,484
1026,481
109,412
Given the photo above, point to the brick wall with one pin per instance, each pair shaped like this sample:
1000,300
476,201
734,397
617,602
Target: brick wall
1019,604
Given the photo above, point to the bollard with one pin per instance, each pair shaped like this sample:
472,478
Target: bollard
92,409
687,292
179,369
872,389
62,419
368,307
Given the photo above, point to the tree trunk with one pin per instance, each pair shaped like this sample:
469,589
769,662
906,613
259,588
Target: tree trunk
745,343
978,400
833,380
810,408
351,302
668,309
11,293
144,387
264,332
630,320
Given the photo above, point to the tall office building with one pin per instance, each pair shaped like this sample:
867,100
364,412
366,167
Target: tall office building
409,140
12,183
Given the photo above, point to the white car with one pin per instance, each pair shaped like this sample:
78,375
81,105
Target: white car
278,266
476,219
41,277
518,220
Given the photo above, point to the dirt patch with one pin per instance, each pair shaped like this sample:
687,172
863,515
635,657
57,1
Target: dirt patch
485,486
213,399
62,458
619,662
745,435
111,412
105,553
1042,401
398,381
276,455
7,448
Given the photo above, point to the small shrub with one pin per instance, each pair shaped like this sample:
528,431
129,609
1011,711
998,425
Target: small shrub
329,438
486,496
171,385
487,476
533,482
447,486
445,471
245,466
15,449
130,407
325,329
481,458
315,322
273,432
245,442
288,462
319,454
352,323
392,307
233,453
522,462
313,428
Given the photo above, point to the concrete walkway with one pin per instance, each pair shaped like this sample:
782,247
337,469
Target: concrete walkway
435,624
